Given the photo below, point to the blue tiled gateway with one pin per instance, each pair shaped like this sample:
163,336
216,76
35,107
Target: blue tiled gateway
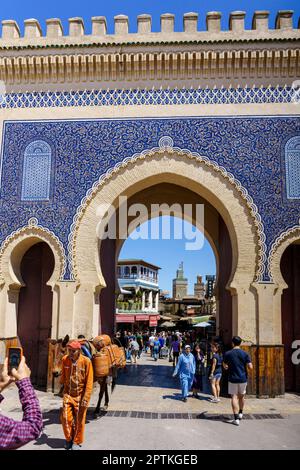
210,116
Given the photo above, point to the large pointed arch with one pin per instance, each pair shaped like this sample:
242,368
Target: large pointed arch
171,164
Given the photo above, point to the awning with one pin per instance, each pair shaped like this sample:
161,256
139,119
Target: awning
202,324
124,318
167,324
124,291
141,317
194,320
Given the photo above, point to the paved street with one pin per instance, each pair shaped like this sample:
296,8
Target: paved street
146,413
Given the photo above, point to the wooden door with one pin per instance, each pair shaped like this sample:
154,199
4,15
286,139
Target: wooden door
35,310
290,314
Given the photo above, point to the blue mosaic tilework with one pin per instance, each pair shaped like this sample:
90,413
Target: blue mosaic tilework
251,148
292,162
176,96
36,172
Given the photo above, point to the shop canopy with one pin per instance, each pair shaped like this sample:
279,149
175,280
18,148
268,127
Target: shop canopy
202,324
194,320
167,324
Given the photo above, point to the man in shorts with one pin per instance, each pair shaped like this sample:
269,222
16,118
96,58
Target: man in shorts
237,362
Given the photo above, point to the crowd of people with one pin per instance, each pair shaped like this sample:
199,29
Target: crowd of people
193,361
197,361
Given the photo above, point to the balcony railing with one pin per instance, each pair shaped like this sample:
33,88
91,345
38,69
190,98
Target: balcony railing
138,276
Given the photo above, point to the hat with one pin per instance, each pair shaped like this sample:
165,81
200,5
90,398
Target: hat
187,346
74,345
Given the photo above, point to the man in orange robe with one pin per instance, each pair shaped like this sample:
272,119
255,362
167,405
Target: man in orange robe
77,378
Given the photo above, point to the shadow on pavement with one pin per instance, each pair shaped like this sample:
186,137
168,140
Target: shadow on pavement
52,442
147,375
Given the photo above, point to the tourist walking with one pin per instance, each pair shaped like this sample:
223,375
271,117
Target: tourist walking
156,348
77,378
186,370
216,372
237,362
134,348
151,343
139,339
162,341
199,370
175,349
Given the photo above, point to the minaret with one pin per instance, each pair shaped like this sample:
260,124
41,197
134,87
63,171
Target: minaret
180,284
199,288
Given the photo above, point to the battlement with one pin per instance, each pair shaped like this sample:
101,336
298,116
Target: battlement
55,35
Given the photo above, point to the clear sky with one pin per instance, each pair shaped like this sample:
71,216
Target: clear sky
64,9
168,254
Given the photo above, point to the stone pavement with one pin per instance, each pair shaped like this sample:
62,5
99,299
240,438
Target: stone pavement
146,412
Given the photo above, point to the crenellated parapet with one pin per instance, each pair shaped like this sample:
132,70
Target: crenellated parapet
33,36
238,53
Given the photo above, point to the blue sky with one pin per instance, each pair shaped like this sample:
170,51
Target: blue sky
168,254
64,9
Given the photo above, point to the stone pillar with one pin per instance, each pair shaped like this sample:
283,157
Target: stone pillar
10,29
86,310
260,21
150,300
213,21
32,28
269,317
99,26
156,301
284,19
54,28
237,21
244,312
267,352
190,22
144,24
8,311
62,309
143,301
121,24
167,23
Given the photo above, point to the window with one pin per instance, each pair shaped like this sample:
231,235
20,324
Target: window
292,166
127,271
36,172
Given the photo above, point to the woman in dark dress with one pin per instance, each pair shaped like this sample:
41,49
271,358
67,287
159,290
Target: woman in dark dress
199,371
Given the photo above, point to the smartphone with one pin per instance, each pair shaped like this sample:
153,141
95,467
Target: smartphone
14,358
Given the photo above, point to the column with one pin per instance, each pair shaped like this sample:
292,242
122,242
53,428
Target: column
8,311
156,301
62,309
150,300
143,301
86,310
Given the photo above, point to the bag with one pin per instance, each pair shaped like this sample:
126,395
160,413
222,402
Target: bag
101,364
119,355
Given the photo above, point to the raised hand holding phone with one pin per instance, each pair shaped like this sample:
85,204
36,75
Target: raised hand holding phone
22,372
14,358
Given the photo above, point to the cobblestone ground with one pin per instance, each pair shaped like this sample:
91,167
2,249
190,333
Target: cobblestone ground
146,412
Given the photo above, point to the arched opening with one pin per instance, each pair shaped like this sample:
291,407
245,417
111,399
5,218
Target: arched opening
34,317
290,313
216,233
